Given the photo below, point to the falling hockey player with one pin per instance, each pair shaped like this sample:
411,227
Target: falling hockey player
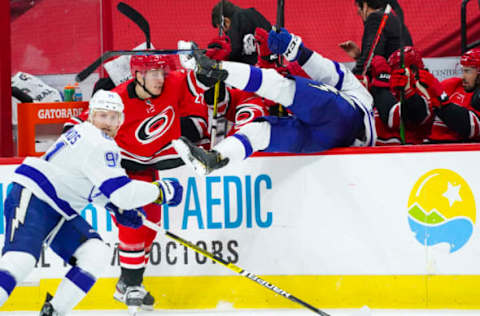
49,192
332,110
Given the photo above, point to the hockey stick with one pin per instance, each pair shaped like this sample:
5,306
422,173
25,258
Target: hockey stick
279,23
136,18
402,92
82,75
386,14
213,132
233,267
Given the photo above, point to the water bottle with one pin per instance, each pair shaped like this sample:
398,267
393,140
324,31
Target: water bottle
68,93
78,93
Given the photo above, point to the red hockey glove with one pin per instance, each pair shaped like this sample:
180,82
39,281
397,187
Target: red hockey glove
219,48
427,82
380,70
402,79
265,57
261,37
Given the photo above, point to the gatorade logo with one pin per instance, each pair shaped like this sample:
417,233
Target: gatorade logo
46,114
441,209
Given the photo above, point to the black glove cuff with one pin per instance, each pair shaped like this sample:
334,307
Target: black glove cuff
303,55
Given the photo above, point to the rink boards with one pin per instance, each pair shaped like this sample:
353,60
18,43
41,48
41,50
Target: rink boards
388,228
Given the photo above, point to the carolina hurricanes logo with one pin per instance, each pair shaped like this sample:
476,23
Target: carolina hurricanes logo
154,127
248,113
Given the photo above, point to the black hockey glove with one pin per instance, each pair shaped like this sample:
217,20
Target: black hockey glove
209,95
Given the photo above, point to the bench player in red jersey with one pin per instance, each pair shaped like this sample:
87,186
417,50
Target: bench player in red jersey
458,119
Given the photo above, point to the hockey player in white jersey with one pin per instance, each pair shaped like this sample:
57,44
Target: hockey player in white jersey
332,110
49,192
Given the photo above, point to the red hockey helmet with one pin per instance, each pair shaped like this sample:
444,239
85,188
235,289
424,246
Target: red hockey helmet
143,63
411,57
471,58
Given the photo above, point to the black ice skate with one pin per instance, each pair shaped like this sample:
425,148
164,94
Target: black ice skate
121,293
209,68
47,309
201,160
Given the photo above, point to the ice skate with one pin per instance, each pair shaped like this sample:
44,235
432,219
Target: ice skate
209,68
121,293
47,309
201,160
133,299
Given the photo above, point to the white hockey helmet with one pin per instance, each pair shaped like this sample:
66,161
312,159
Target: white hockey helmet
106,100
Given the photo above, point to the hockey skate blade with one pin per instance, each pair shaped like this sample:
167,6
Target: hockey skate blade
147,308
132,310
184,152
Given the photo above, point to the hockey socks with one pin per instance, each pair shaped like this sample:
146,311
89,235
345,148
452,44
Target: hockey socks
14,268
132,277
250,138
7,284
266,83
73,288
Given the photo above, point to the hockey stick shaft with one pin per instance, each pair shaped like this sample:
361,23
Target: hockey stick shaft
402,92
136,18
386,14
234,268
280,22
213,130
82,75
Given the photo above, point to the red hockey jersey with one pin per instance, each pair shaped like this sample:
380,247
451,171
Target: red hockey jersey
238,108
429,91
457,95
151,124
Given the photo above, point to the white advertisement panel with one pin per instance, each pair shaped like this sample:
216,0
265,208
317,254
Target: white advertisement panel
349,214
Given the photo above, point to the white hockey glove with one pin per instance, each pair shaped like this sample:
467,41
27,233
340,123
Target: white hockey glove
171,192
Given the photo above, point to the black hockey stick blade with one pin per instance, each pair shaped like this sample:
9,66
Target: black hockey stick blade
82,75
136,18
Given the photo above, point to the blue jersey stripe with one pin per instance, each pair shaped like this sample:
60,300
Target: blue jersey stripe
113,184
341,75
7,281
254,80
246,144
50,154
80,278
47,187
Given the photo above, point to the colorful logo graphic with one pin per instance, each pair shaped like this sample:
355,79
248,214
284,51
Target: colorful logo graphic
441,209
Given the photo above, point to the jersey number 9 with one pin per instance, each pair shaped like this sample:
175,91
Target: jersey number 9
112,159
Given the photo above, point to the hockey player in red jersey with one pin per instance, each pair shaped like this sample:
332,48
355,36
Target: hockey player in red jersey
458,119
154,99
422,92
